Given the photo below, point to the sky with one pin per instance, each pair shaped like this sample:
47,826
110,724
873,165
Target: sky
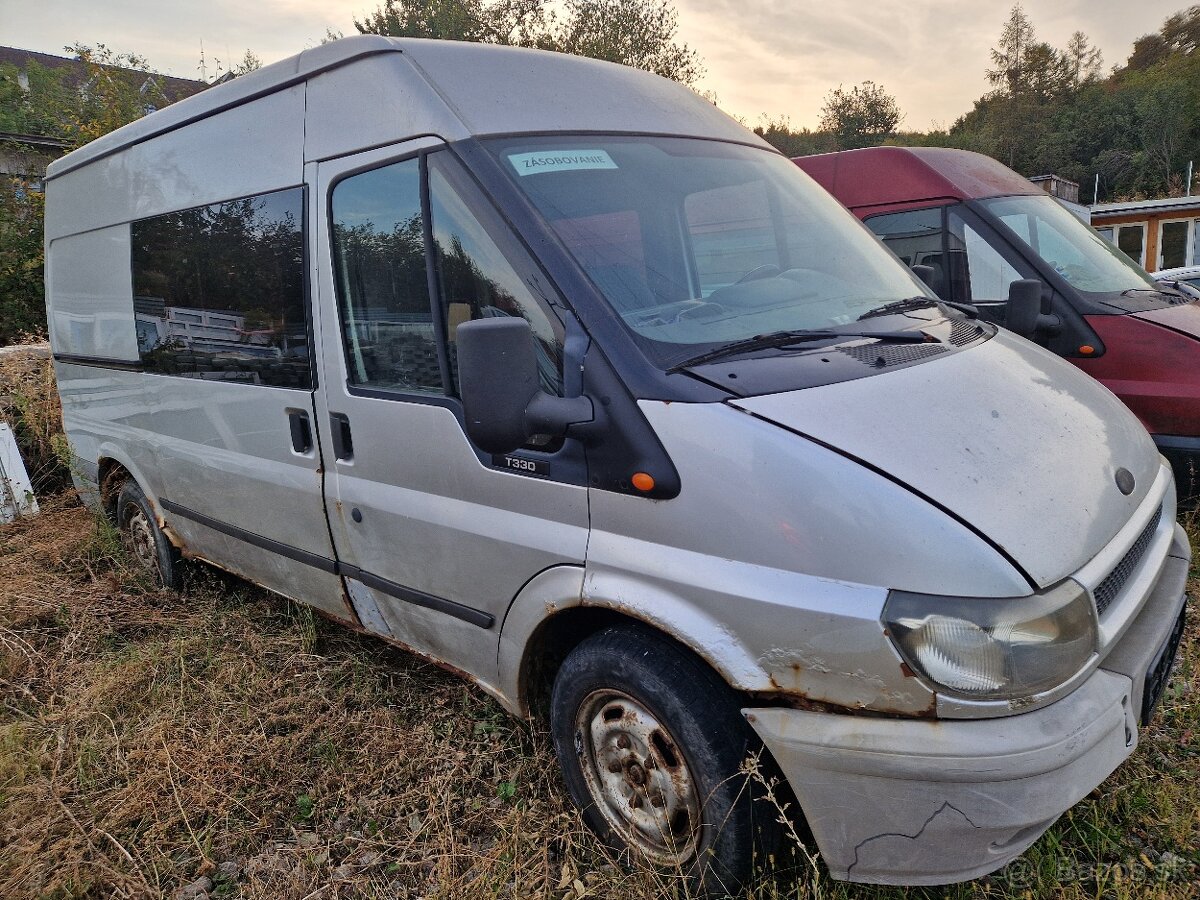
772,57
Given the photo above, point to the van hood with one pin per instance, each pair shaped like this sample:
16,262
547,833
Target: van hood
1184,318
1018,444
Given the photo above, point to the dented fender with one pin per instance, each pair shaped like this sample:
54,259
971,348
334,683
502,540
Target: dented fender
768,631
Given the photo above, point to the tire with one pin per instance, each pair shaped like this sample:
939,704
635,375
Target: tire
651,742
148,547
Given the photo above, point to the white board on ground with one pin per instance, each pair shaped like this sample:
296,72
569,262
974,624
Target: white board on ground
16,491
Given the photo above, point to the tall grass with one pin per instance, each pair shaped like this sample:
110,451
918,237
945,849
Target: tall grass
228,739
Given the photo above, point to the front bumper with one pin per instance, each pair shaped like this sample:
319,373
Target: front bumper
903,801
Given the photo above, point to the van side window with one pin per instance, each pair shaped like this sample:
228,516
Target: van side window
916,237
218,291
979,273
478,264
382,284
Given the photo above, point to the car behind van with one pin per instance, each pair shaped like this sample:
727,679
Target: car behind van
550,372
979,226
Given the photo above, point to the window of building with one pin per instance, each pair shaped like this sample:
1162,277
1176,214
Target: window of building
219,291
1174,242
1131,240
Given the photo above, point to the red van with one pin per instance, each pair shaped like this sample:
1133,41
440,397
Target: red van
981,228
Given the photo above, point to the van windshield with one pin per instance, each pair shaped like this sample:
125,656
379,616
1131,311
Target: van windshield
696,244
1088,262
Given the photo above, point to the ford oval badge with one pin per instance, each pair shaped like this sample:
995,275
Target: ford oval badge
1125,482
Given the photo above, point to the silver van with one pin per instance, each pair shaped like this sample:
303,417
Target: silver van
549,371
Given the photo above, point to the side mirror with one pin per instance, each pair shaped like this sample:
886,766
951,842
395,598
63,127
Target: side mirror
503,402
926,274
1026,314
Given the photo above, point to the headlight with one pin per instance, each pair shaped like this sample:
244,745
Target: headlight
994,648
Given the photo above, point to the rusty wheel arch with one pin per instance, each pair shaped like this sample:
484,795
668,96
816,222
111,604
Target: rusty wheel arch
561,633
111,475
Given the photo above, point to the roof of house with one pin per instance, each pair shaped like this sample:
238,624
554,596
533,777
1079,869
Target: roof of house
172,88
1130,207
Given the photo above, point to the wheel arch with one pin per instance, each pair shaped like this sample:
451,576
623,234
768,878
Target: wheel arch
552,615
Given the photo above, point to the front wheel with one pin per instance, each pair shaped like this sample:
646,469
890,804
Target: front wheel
651,743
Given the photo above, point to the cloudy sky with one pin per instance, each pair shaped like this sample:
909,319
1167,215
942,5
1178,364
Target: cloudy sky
778,57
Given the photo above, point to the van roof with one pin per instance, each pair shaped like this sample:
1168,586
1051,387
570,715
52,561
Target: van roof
479,88
877,176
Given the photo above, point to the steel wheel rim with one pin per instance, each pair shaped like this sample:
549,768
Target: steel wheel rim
638,777
140,539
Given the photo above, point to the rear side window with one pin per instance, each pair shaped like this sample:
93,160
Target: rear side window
219,292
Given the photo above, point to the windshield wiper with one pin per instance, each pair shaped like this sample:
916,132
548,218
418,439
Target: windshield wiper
800,336
897,306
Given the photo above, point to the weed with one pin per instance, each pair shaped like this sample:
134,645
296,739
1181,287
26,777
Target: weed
146,737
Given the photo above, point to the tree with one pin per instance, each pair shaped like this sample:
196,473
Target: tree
112,90
119,88
1181,32
22,303
640,33
479,21
861,117
1009,54
1148,50
778,132
1083,60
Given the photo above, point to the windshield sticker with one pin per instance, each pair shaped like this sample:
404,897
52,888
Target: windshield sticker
560,161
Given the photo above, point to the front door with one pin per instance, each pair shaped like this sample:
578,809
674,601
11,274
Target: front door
435,538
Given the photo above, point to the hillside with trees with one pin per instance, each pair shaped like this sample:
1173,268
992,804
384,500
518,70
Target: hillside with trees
1054,110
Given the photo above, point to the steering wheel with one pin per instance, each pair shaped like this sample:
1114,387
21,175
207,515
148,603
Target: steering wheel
671,313
770,270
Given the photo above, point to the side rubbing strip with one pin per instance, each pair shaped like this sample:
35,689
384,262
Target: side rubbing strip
408,595
101,362
417,598
301,556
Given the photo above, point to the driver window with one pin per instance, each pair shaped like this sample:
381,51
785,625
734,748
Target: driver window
474,256
731,232
978,272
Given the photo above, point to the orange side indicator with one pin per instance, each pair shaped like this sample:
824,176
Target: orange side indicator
642,481
1087,350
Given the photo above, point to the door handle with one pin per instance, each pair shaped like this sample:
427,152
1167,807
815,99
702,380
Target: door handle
301,430
339,432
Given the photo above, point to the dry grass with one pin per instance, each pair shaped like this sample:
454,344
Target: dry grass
149,739
29,402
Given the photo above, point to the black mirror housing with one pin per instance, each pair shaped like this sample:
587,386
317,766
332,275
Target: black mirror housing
1026,312
503,403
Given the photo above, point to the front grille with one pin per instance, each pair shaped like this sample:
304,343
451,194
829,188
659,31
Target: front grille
1106,592
879,355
